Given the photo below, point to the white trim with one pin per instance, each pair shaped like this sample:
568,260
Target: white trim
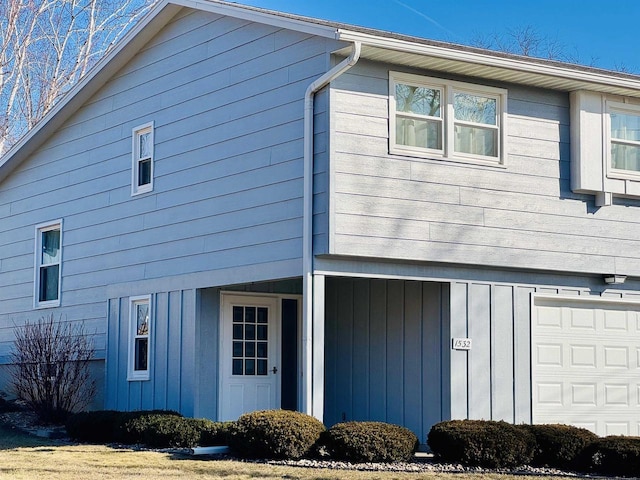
448,89
39,229
625,108
584,298
136,133
248,299
490,60
132,374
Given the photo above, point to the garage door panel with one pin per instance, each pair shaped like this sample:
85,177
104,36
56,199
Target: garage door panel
585,364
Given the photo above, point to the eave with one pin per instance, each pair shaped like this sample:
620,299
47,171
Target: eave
490,65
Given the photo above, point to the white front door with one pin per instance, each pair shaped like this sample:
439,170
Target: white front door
250,360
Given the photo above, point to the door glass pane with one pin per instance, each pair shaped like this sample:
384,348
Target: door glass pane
262,367
475,108
250,332
48,283
476,140
262,332
250,367
237,332
419,100
237,367
245,349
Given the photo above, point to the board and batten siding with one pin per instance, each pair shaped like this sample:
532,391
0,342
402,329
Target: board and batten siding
226,99
520,216
385,359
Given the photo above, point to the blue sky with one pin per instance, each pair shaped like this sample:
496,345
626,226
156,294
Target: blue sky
593,32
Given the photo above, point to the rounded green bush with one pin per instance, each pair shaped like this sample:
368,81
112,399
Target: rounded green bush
615,455
94,427
276,434
483,443
212,433
559,446
370,442
107,426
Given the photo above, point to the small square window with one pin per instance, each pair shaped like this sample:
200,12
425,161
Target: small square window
140,315
48,261
142,159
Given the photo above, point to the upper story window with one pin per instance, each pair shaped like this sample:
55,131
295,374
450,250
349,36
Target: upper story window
142,164
605,145
48,262
139,331
624,128
453,120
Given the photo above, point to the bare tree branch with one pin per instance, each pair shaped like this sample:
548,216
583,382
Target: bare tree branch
46,47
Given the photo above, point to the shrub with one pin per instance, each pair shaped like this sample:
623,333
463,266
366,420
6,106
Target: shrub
278,434
213,433
615,455
370,442
51,374
559,446
481,442
94,427
107,426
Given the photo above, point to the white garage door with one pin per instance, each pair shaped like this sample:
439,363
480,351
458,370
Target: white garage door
586,364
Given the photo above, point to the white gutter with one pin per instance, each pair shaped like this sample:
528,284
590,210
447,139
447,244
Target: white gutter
307,227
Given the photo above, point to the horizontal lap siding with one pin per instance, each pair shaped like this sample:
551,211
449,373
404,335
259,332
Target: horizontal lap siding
226,97
523,216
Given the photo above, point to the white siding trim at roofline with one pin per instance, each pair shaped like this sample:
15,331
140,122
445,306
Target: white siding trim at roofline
576,78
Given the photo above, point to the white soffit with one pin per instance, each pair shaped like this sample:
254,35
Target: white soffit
498,67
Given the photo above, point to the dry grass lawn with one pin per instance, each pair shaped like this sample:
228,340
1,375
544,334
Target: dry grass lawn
25,457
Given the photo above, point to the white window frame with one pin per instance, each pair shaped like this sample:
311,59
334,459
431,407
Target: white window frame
627,109
136,159
40,229
448,88
133,374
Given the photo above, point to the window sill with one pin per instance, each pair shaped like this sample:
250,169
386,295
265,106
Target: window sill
428,156
50,304
138,377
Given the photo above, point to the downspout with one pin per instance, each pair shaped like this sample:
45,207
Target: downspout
307,221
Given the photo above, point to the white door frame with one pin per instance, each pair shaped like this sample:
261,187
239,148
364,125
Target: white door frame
228,296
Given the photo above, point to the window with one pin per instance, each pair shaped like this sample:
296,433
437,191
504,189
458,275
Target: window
453,120
624,131
139,328
142,166
48,258
605,145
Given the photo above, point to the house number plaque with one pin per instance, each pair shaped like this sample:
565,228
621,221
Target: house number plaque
461,344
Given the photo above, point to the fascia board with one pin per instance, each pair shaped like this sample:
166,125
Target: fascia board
488,60
275,20
108,66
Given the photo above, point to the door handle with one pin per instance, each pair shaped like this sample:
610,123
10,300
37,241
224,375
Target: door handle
274,370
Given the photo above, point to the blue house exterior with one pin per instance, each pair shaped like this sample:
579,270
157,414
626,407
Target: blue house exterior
259,210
